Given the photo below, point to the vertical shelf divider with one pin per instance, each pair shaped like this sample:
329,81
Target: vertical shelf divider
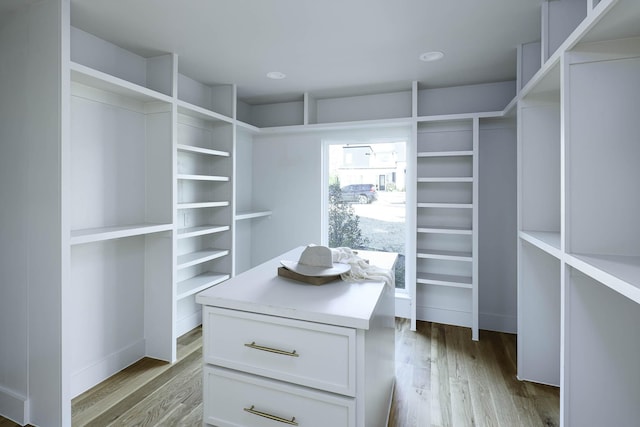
475,332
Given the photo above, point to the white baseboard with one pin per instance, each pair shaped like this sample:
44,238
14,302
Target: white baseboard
188,322
552,383
447,317
498,323
14,406
85,378
403,306
487,321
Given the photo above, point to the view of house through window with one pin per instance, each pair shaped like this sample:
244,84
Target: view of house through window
366,208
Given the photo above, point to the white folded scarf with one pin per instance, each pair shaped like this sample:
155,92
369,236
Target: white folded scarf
360,269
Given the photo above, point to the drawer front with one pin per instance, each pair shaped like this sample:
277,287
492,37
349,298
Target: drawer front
305,353
235,399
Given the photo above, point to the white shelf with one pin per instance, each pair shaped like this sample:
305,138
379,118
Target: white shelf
90,235
252,214
620,273
444,280
445,255
359,124
99,80
445,230
249,127
445,153
201,230
199,283
547,79
201,113
459,116
200,150
198,257
447,179
544,240
446,205
203,178
200,205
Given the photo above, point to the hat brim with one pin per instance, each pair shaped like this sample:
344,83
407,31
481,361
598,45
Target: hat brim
309,270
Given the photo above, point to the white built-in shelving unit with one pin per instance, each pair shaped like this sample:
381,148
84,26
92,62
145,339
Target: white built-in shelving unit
602,270
150,204
447,175
578,286
446,239
157,202
119,205
204,194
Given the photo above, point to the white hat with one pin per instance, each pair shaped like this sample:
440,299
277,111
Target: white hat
316,261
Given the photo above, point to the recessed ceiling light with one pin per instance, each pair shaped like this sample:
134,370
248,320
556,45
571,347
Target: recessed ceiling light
431,56
276,75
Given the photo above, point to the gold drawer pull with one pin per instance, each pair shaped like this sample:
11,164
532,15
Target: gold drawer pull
272,350
292,421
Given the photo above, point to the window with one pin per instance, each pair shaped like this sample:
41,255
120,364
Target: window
366,198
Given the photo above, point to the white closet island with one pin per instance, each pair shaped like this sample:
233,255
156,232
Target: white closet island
277,349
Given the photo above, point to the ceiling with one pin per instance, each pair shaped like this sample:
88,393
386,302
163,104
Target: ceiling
325,47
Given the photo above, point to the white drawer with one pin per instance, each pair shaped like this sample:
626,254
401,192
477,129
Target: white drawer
306,353
234,399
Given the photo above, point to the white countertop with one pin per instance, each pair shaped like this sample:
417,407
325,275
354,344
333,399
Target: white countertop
261,290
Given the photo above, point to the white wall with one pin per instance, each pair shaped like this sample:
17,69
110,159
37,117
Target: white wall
287,180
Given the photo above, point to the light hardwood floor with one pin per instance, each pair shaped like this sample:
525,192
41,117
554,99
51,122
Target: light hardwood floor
443,378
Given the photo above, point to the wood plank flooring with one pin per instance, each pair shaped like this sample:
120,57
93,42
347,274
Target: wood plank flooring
443,378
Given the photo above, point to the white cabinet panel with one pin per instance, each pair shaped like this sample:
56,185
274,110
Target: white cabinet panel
234,399
319,356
